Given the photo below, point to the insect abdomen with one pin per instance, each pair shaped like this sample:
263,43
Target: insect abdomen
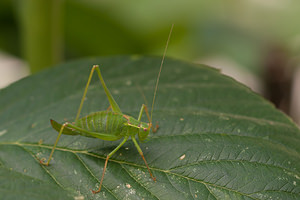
104,122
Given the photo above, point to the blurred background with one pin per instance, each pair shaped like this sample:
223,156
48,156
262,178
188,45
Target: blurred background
256,42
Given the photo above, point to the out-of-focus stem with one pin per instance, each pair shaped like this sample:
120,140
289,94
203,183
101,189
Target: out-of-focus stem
42,33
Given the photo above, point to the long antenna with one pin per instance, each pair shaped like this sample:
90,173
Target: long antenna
161,64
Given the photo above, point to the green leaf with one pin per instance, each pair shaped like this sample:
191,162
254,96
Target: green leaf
217,139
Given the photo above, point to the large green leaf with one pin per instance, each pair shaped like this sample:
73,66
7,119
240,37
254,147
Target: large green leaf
217,139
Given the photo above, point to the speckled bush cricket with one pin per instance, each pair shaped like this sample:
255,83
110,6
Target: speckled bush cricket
111,124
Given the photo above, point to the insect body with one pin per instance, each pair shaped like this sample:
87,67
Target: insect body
110,125
105,125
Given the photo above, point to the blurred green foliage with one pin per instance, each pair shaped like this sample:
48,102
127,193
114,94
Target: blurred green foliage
240,30
9,35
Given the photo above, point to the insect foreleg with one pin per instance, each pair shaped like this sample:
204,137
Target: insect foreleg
107,157
141,153
54,146
144,107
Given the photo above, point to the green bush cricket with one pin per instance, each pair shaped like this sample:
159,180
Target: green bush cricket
110,125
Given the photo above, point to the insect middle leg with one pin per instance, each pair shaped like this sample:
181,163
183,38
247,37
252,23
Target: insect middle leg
141,153
107,157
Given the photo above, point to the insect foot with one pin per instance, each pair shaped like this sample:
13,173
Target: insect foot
42,161
154,130
94,192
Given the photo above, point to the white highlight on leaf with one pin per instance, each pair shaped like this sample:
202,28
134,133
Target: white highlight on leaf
282,178
3,132
128,83
38,154
244,150
294,183
104,195
292,174
80,197
132,191
116,92
182,157
208,140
